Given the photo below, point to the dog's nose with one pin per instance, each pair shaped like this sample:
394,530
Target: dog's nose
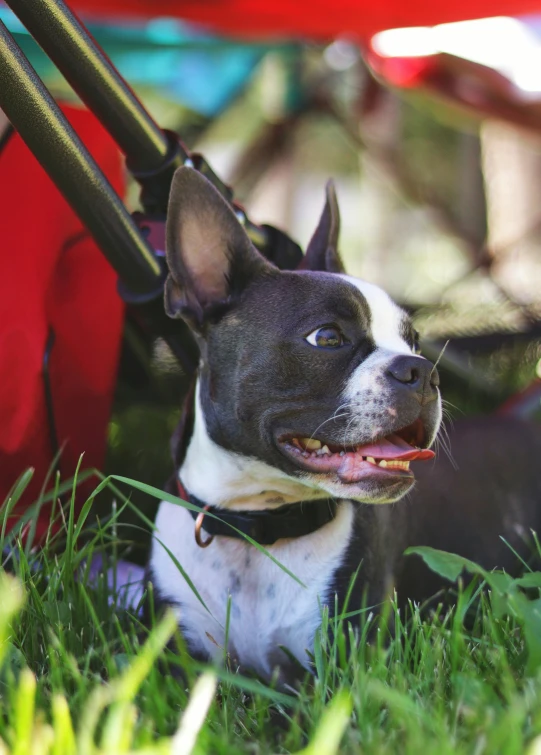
417,375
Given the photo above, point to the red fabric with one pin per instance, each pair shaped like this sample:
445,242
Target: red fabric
482,91
53,276
315,20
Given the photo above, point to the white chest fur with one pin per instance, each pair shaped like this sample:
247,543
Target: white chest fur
268,608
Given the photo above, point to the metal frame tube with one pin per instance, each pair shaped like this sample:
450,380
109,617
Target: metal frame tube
152,154
50,137
92,75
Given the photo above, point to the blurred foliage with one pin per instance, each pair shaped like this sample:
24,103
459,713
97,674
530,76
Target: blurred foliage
499,375
430,150
321,145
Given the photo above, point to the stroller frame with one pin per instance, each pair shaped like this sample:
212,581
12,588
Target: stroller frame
152,156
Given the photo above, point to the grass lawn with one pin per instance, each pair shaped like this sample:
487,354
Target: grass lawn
80,674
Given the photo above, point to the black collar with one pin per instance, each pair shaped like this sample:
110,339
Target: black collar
265,526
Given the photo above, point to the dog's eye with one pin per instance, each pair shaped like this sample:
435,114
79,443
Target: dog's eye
327,337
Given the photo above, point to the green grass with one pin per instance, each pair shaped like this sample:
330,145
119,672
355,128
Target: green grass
81,675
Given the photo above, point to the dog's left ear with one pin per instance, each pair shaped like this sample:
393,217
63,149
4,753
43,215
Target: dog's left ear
209,255
322,251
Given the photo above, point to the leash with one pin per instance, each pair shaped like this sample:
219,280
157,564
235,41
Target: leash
266,526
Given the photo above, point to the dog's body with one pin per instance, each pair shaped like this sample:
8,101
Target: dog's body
311,390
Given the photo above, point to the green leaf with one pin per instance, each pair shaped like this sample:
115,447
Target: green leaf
447,565
533,579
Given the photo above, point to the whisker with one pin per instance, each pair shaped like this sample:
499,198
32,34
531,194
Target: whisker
448,405
346,431
334,416
445,345
330,419
444,441
454,406
448,418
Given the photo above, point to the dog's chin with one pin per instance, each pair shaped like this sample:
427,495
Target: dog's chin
373,489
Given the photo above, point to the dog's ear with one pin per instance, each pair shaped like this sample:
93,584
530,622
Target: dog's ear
209,255
322,251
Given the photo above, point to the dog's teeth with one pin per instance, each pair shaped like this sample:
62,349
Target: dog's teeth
393,464
311,444
371,459
325,450
342,453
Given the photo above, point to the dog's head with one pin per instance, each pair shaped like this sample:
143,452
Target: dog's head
312,372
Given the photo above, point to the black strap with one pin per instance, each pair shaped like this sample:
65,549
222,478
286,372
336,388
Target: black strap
269,525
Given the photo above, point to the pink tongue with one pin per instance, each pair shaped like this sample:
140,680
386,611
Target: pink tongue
394,447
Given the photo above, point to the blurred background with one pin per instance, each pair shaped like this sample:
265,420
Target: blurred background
432,135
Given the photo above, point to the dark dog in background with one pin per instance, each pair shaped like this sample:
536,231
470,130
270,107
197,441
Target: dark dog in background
311,402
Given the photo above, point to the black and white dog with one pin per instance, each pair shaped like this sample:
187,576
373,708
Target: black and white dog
311,401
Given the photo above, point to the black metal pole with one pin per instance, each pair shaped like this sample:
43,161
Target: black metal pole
89,71
50,137
152,155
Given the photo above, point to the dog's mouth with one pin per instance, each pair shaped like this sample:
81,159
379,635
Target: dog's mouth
388,456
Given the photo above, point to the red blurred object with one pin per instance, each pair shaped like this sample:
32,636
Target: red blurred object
525,403
321,20
54,277
477,89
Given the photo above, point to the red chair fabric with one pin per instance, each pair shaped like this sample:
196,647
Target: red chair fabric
52,275
314,20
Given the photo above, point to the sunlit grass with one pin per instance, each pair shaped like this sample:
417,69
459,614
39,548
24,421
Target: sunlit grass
81,674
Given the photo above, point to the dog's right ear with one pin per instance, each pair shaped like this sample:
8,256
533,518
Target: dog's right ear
209,255
322,251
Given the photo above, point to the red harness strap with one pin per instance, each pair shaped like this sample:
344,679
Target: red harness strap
183,493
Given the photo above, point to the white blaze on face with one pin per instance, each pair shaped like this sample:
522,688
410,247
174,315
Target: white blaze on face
386,317
367,384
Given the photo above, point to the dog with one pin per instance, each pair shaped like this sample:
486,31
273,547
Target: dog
312,401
